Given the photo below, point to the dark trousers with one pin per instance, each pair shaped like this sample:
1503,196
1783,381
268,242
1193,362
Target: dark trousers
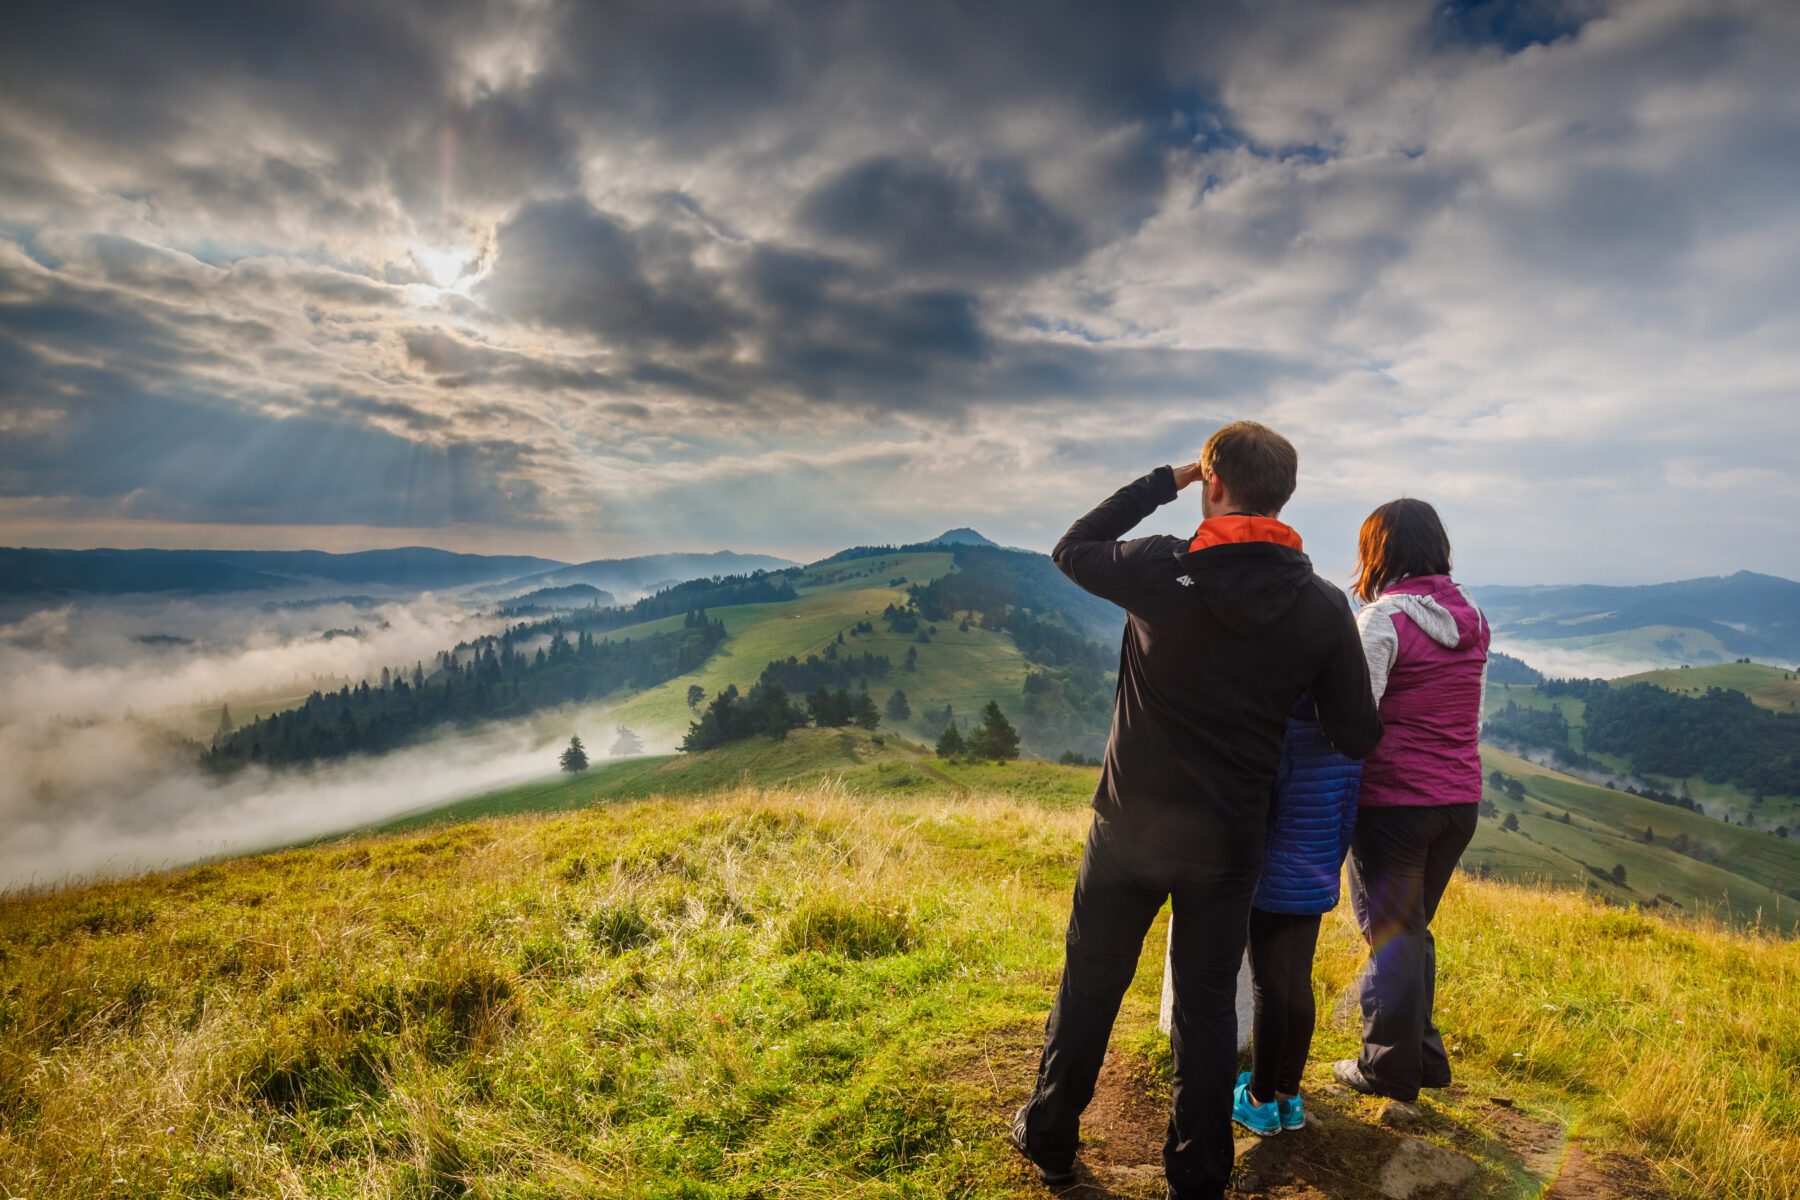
1281,962
1119,890
1400,862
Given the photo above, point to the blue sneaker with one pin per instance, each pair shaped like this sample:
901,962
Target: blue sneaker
1293,1113
1264,1120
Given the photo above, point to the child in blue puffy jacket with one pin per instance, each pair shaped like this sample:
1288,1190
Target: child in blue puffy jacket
1310,819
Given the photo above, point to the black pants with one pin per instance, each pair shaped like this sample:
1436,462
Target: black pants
1120,888
1400,862
1281,962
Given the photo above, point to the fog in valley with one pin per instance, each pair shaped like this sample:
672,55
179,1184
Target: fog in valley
104,710
1569,662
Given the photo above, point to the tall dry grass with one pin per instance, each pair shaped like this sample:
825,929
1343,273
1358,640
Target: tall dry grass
774,993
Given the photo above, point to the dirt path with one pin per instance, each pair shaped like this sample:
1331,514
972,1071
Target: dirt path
1341,1155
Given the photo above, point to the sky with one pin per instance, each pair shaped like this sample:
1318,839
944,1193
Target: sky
588,280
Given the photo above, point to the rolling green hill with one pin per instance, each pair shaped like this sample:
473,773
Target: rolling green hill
1718,798
962,668
1771,687
1739,874
873,764
1735,874
802,993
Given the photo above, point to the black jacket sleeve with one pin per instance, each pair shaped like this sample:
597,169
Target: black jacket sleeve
1347,711
1090,553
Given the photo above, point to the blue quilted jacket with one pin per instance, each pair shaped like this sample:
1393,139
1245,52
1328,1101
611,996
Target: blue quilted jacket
1310,819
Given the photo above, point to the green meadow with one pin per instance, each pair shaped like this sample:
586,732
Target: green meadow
964,669
1772,687
820,988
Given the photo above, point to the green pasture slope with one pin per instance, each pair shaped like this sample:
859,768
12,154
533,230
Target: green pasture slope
964,670
1732,873
1774,810
872,764
1740,875
800,993
1770,687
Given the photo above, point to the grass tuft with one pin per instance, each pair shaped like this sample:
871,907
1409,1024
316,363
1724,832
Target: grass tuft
852,930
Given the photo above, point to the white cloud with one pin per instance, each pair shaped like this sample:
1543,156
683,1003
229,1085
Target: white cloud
1552,288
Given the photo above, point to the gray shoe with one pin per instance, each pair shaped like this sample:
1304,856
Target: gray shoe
1052,1176
1346,1072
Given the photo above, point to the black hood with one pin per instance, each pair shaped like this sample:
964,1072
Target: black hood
1247,585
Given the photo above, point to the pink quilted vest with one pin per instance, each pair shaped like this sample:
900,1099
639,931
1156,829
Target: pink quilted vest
1431,708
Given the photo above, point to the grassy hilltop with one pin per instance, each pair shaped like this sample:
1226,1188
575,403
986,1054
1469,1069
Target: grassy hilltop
962,668
826,987
1772,687
1734,874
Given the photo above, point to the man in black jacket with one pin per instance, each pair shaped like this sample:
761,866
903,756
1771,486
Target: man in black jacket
1223,633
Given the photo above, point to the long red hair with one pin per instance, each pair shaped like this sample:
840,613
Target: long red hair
1399,540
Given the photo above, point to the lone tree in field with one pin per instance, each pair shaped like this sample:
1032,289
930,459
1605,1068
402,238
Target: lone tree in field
863,711
995,737
695,695
1618,874
626,744
950,742
912,659
898,707
1511,823
574,759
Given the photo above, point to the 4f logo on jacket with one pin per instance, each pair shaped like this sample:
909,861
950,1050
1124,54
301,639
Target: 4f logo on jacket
1185,580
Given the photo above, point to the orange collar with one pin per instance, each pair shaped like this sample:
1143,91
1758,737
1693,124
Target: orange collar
1222,531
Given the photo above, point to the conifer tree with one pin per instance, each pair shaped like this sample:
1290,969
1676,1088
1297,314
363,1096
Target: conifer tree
898,707
574,759
626,744
995,737
695,694
950,742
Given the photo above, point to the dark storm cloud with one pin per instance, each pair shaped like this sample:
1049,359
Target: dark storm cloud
987,222
489,151
455,363
552,243
73,61
565,264
689,74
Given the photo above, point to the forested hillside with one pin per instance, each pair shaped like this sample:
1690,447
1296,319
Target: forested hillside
499,681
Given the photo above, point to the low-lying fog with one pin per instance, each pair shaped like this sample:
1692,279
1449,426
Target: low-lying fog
1563,662
99,731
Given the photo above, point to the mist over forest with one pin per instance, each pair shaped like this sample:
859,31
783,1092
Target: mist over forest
106,707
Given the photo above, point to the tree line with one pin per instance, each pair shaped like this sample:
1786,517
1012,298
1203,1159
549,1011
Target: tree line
497,681
720,591
1720,735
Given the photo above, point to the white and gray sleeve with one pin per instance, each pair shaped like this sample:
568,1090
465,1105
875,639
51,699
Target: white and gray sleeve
1380,643
1481,706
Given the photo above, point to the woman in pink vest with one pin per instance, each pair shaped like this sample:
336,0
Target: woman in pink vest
1426,644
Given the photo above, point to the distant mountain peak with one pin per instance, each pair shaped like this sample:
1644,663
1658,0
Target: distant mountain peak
964,536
